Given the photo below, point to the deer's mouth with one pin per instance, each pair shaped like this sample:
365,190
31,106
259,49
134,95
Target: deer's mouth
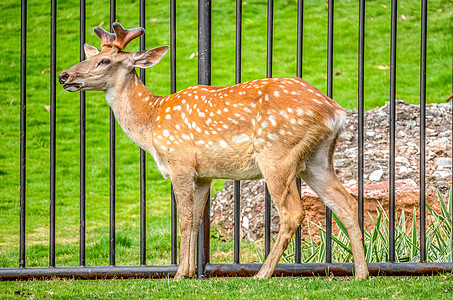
73,87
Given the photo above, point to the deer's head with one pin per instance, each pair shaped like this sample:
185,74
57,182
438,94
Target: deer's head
104,69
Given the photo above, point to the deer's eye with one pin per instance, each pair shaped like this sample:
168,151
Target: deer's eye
105,61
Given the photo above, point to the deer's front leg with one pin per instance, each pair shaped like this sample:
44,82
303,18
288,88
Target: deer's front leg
183,189
191,196
201,194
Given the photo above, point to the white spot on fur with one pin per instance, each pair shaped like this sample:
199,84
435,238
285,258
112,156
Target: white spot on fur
241,138
272,120
317,101
223,144
258,141
272,136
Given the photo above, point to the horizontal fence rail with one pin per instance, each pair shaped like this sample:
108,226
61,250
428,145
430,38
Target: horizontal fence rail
204,267
227,270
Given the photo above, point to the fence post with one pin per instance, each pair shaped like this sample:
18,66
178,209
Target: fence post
329,94
174,240
142,157
267,196
53,68
204,77
237,183
392,132
82,143
23,140
112,159
423,130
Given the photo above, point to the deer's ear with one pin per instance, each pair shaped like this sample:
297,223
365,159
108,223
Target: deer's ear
148,58
90,50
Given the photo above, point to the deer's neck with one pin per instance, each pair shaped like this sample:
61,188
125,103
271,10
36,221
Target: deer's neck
135,109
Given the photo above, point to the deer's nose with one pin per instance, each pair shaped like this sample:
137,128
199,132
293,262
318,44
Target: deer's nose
63,77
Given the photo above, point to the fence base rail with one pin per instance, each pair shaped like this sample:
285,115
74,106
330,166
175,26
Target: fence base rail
225,270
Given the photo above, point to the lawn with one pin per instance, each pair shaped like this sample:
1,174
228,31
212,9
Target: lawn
439,84
433,287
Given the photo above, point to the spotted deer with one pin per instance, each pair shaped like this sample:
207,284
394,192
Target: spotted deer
275,128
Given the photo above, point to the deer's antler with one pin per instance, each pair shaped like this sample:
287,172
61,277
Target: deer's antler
120,38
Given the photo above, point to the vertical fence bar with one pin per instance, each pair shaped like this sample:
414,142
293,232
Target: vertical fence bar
237,183
298,234
112,159
237,220
23,128
329,94
142,157
422,129
174,240
392,133
270,36
204,77
450,206
267,221
82,142
361,111
174,227
267,196
300,38
53,48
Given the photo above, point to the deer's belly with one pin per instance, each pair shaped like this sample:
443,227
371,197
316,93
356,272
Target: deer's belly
228,163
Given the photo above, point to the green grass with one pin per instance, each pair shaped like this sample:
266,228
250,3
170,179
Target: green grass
431,287
158,79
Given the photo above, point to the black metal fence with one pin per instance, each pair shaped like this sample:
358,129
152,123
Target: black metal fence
205,268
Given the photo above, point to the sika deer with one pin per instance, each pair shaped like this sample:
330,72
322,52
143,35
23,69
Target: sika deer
276,128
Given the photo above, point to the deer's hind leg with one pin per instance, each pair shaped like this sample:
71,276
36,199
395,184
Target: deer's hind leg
283,189
320,176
